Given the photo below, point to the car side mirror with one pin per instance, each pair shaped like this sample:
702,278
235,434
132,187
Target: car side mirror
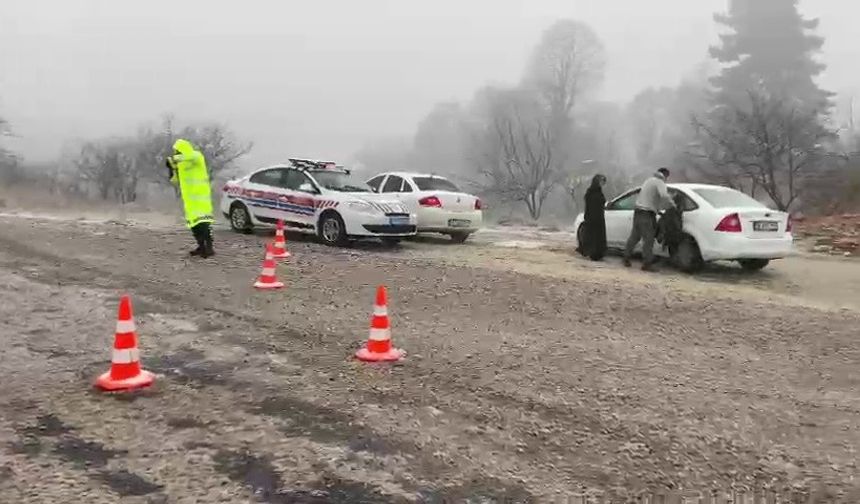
308,188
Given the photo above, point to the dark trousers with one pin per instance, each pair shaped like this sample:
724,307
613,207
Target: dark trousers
203,235
644,229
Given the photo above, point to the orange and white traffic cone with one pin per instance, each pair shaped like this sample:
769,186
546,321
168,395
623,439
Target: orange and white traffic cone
379,347
267,279
125,371
280,246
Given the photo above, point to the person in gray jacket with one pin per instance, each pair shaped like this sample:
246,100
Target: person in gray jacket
653,197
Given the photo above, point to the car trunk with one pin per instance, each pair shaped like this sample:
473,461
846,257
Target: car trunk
762,223
454,201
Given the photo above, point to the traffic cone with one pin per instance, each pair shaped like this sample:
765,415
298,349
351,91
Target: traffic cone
125,371
379,347
280,246
267,278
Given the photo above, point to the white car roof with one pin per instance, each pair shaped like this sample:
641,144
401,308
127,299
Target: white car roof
689,186
410,175
684,186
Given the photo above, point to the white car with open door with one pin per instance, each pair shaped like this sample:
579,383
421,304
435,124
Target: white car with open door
315,197
720,224
441,207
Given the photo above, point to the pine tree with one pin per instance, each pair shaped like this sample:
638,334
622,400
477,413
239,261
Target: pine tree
768,127
771,46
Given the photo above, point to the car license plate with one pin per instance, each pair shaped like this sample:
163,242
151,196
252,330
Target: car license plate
765,226
459,223
398,221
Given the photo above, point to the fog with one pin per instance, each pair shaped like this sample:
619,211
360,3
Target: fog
322,78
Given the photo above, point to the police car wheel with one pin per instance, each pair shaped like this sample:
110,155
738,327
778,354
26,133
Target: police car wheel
240,219
332,231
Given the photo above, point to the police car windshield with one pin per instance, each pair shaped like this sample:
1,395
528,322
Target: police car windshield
339,181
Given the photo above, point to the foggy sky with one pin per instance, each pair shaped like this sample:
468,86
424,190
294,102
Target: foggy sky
319,78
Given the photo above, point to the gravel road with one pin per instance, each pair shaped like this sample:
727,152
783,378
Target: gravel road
531,375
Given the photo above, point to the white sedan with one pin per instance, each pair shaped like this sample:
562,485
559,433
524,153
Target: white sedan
439,204
315,197
720,224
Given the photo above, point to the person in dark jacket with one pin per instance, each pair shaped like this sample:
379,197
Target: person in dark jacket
593,243
670,227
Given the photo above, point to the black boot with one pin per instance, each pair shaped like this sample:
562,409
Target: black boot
208,248
198,236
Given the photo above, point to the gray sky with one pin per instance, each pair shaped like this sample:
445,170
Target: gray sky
319,78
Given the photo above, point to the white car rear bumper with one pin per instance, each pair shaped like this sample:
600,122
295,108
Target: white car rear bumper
729,248
440,220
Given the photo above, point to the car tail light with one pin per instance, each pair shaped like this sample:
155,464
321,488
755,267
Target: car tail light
478,204
788,225
430,201
730,224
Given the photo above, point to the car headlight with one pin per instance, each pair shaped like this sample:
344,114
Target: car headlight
362,206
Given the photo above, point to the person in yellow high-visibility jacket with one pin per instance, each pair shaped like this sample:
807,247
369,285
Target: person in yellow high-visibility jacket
188,171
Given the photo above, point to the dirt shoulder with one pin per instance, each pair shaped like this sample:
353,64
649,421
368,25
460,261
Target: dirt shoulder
518,385
812,280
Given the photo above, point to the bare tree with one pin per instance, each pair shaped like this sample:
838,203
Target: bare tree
518,161
440,141
567,64
97,165
112,167
773,142
9,167
217,142
569,61
130,168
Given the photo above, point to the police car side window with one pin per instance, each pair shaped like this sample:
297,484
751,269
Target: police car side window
393,184
407,187
298,181
267,177
375,181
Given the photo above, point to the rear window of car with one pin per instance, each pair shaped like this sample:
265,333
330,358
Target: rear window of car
435,184
726,198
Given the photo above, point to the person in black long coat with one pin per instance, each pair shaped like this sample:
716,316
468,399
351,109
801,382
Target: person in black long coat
594,225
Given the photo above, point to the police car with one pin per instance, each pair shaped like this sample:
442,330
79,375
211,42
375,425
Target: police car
316,197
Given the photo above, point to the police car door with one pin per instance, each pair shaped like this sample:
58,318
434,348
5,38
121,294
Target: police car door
262,192
300,194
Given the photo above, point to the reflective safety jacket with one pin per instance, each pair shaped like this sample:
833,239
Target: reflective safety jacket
190,173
